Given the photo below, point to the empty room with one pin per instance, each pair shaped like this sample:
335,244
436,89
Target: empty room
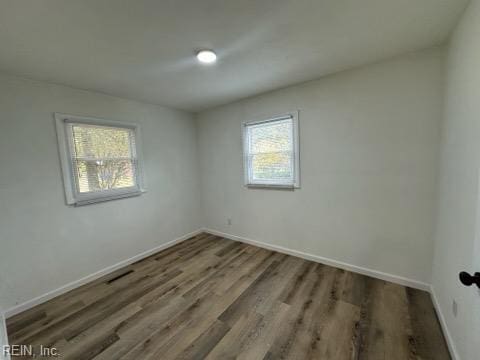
240,179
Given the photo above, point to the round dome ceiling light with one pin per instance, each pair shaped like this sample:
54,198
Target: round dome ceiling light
206,56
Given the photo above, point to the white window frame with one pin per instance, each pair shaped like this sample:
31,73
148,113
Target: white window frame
296,148
65,141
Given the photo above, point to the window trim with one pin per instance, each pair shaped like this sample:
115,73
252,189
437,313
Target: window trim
296,148
64,136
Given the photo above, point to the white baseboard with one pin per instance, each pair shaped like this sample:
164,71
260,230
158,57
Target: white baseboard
335,263
74,284
443,323
3,338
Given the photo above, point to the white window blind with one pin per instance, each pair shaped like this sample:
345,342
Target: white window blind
99,159
271,152
103,157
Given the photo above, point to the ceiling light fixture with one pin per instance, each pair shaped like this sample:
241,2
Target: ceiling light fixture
206,56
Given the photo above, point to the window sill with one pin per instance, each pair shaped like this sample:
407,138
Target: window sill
273,187
100,199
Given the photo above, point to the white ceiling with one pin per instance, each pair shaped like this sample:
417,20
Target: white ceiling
144,49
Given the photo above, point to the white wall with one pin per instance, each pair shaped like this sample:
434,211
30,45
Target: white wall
458,188
368,143
46,244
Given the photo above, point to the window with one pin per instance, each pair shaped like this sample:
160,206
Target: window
100,160
271,152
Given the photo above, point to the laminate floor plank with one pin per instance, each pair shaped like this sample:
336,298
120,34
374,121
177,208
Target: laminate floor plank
214,298
204,344
427,336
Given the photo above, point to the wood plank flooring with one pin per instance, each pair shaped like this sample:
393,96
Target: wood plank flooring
212,298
